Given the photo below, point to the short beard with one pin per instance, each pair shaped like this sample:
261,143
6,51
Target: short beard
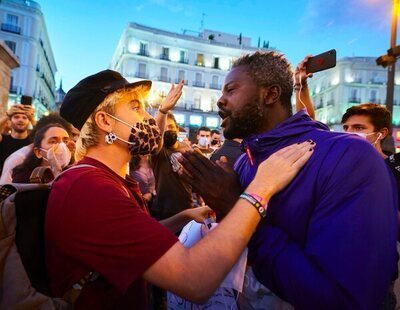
19,130
246,122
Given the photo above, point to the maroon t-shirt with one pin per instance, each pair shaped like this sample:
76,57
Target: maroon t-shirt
97,221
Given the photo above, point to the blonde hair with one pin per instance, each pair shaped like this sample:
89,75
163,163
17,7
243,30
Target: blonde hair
90,133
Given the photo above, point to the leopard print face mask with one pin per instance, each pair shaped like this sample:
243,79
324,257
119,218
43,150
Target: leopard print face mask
144,139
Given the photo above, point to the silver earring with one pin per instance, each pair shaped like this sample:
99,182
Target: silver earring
110,138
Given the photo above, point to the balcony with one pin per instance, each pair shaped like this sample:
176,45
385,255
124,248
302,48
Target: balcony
164,57
183,61
216,86
357,80
198,84
141,75
10,28
354,100
177,81
164,79
143,53
199,64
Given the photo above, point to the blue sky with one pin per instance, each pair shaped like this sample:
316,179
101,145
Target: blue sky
85,33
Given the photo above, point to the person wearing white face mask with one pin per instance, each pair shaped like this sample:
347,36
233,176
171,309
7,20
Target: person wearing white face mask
204,141
49,149
370,121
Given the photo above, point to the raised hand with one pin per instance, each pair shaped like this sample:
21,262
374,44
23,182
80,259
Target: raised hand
172,98
300,75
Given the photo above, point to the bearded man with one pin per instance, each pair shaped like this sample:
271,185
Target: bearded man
328,240
19,116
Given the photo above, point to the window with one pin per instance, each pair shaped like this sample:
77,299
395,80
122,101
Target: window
200,60
214,106
214,82
198,77
181,75
212,122
12,19
165,53
12,45
11,24
198,80
142,71
164,74
216,62
182,57
197,101
354,96
372,96
143,50
195,120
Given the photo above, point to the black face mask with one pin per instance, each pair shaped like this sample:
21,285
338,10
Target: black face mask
214,142
170,138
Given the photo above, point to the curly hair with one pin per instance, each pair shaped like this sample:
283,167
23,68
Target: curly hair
269,68
90,134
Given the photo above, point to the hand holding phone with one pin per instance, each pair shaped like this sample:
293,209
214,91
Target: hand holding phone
321,62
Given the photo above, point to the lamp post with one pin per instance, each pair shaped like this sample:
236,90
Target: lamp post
389,60
392,66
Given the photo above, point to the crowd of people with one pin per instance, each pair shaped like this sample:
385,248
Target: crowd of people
317,210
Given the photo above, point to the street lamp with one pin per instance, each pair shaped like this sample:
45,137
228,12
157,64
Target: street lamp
389,61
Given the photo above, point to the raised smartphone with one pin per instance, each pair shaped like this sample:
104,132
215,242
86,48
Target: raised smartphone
321,62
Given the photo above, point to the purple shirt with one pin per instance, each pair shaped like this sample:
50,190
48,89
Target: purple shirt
329,238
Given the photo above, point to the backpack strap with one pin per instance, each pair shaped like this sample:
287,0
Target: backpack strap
5,191
73,167
41,175
72,294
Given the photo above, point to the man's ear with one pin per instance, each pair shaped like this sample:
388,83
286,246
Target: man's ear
384,132
37,153
103,121
271,94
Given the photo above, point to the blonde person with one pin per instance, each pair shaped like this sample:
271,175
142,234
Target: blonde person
96,219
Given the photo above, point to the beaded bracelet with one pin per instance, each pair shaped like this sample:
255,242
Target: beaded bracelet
257,203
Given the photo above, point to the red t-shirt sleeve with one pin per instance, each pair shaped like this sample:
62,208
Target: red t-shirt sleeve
109,233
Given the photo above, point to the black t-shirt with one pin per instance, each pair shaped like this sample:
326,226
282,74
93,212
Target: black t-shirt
173,195
9,145
394,163
230,149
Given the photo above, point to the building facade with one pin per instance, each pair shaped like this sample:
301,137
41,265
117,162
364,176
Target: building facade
8,61
23,30
202,60
354,80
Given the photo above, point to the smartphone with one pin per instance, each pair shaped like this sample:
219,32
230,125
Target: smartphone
26,100
321,62
176,165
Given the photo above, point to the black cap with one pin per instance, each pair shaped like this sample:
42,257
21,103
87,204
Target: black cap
86,96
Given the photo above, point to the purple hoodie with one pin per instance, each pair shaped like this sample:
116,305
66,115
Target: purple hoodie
329,238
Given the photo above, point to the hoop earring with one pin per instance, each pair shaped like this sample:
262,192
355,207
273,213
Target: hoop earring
110,138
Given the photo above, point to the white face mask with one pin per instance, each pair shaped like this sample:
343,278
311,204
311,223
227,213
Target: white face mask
366,135
204,141
59,155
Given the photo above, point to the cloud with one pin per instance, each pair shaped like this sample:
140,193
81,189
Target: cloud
174,6
374,14
139,7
